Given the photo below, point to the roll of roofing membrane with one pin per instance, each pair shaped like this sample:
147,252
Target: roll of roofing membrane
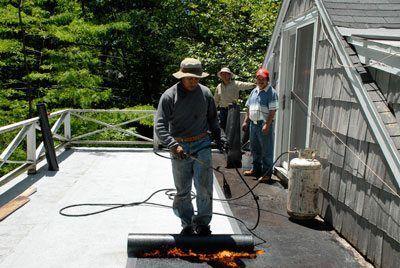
143,243
234,158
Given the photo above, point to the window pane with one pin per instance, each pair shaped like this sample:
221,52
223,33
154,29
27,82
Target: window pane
301,86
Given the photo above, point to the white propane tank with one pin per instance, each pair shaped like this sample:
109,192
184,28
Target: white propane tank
304,180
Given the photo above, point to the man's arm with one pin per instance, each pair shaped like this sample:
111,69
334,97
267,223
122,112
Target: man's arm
246,121
244,85
213,120
268,122
164,112
273,105
217,96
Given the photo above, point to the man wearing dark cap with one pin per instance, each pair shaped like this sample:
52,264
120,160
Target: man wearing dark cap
262,104
186,114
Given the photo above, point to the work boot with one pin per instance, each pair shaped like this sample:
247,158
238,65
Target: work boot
265,179
187,230
203,230
251,172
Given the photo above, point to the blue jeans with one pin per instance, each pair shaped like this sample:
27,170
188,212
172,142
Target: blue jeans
184,170
262,148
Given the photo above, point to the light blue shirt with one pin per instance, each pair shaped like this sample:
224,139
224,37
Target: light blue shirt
260,102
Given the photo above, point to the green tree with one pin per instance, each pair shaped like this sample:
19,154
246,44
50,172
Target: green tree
120,53
49,52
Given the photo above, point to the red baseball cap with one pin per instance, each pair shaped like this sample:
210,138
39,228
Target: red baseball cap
262,72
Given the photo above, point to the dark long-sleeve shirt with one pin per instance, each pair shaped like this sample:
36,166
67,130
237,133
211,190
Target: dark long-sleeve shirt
182,114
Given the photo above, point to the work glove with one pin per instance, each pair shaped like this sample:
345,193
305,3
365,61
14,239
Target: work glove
178,152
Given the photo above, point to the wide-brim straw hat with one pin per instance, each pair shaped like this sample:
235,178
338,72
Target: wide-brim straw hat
225,70
190,68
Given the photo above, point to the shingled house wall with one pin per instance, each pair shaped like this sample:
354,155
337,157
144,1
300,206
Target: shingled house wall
358,205
353,199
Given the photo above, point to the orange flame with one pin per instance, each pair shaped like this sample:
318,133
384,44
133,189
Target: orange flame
224,258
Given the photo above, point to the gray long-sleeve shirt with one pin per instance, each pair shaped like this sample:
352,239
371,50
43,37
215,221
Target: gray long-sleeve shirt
182,114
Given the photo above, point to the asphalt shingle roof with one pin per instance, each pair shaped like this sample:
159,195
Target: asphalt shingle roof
364,13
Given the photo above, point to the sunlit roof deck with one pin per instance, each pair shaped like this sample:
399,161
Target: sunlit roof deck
36,235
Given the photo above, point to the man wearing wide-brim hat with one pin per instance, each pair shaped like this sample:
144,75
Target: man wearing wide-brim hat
186,114
227,93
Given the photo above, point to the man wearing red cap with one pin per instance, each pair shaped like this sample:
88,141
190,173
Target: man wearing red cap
262,104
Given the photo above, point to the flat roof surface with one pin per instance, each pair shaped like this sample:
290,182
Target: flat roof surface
36,235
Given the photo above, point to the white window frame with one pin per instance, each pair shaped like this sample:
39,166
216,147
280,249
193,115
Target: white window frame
293,25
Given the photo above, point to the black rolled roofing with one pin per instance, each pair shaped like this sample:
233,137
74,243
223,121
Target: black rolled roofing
364,14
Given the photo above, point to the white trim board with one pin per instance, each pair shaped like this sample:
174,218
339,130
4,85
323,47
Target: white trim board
378,54
299,22
377,33
293,26
277,31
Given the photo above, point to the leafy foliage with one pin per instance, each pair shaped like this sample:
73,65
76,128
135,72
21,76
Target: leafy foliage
120,53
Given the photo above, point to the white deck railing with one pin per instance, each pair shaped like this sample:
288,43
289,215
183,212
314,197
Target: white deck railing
28,129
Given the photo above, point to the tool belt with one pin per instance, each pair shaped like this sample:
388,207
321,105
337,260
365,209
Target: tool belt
192,139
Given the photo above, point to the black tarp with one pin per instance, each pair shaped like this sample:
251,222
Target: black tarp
234,157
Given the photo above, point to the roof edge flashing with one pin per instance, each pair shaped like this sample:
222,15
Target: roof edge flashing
372,33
